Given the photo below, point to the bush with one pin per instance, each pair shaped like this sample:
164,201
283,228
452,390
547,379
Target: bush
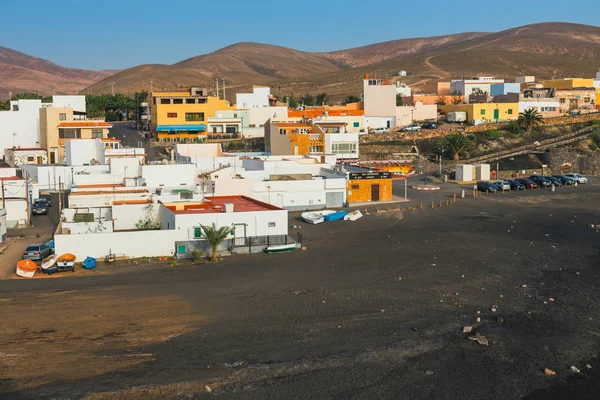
595,122
197,255
493,134
514,128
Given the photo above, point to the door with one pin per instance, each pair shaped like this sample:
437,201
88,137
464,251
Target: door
40,160
239,232
389,124
374,192
334,200
496,114
52,157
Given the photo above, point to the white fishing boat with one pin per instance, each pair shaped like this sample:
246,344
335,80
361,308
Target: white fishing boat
316,217
284,248
49,262
353,216
26,268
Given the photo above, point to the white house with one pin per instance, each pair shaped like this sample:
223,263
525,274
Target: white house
406,115
253,120
403,89
466,87
3,226
15,196
379,103
259,97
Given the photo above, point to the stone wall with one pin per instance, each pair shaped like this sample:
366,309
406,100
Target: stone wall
564,160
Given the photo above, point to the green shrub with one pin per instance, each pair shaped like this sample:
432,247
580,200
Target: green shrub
514,128
197,255
595,122
493,134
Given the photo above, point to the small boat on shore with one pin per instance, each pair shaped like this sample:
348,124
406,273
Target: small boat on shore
353,216
26,268
316,217
49,262
336,216
284,248
66,262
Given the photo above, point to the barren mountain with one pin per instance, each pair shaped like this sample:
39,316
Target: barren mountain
545,50
20,72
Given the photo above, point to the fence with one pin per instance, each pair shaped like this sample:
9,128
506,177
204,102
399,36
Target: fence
262,242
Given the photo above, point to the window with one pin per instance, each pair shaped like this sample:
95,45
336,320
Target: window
343,147
190,101
171,115
509,111
97,134
355,187
62,117
315,149
177,101
201,101
271,224
197,232
165,101
356,124
69,133
304,130
234,115
482,111
563,100
194,117
282,132
15,107
30,158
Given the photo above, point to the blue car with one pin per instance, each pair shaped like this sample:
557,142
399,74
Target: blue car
565,179
487,187
516,185
541,180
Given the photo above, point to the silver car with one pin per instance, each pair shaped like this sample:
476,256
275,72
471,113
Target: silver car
36,252
578,178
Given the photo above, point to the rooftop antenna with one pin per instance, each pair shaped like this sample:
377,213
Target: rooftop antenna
224,90
217,80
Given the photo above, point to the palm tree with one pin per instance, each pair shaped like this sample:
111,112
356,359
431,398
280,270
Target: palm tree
322,99
440,101
457,143
351,99
215,237
530,119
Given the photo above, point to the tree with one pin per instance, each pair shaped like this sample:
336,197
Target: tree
291,101
399,100
322,99
4,105
351,99
456,97
457,143
530,119
440,101
307,100
215,237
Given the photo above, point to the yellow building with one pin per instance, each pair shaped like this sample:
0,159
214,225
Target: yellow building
369,186
569,83
598,98
60,124
486,113
182,116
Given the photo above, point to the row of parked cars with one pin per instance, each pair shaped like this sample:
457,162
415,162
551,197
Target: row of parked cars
533,182
411,127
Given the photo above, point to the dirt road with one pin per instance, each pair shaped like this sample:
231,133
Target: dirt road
372,309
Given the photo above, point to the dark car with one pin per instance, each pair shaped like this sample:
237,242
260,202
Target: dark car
47,198
541,180
430,125
516,185
487,187
555,181
40,207
565,179
528,183
36,252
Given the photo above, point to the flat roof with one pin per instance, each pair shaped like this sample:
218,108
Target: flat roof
11,178
85,124
94,192
25,149
216,204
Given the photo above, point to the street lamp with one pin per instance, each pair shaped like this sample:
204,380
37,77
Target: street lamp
72,179
14,139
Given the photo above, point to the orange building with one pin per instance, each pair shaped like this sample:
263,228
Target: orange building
369,186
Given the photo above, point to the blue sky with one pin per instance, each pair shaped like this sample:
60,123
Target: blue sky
119,34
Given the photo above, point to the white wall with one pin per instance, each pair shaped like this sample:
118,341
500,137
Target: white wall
16,212
258,98
122,244
3,226
380,100
83,228
77,103
104,199
331,138
83,151
229,187
169,175
380,122
25,123
525,105
126,216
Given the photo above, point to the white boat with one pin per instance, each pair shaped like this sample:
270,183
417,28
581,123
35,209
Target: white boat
316,217
26,268
353,216
281,248
49,261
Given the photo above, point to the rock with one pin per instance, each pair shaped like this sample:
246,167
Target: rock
482,340
577,273
208,388
467,329
478,312
524,286
304,249
478,320
493,309
551,299
588,366
592,226
549,372
429,372
575,369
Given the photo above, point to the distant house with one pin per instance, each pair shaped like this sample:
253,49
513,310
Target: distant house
467,87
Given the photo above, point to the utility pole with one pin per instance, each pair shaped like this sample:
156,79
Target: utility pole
224,98
3,200
28,198
60,197
151,86
112,87
218,88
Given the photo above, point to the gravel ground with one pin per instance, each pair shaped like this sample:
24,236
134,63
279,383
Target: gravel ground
372,309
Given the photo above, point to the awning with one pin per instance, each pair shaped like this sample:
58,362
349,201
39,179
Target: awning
316,142
181,128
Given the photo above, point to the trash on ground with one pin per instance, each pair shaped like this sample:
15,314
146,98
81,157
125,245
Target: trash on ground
575,369
429,372
234,364
353,216
549,372
479,339
588,366
468,329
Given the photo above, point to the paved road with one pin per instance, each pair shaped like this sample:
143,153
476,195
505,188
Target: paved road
129,136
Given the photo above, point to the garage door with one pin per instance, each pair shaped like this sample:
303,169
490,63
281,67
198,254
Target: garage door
335,199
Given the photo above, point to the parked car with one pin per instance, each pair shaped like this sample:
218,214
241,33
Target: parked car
555,181
48,199
430,125
411,128
40,207
36,252
502,185
578,178
380,130
541,180
528,183
487,187
516,185
565,179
